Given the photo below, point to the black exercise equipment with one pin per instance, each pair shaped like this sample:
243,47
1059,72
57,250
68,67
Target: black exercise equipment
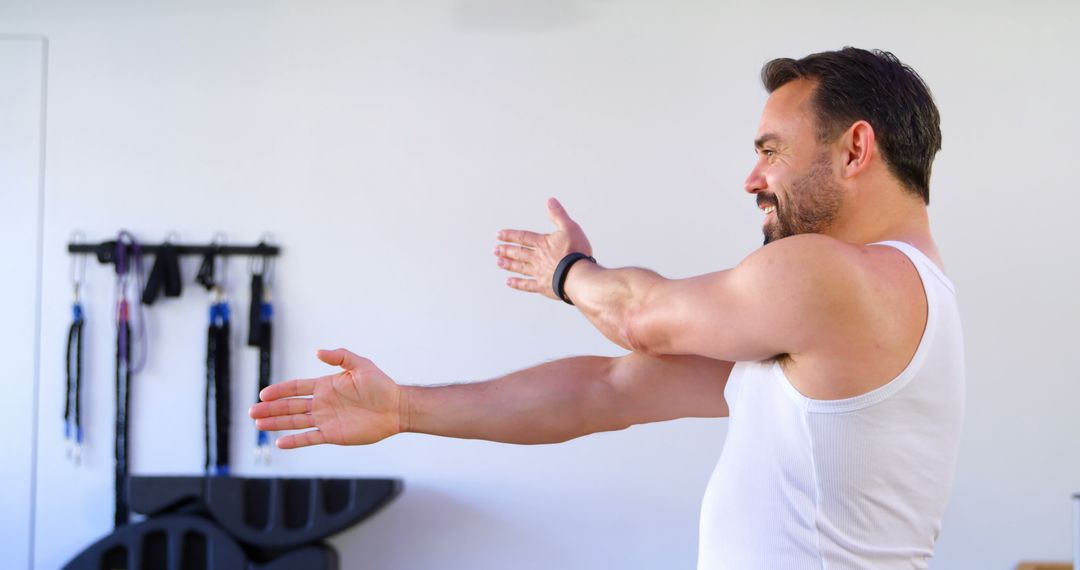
268,513
230,523
186,542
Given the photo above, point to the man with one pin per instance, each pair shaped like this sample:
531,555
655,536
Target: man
835,349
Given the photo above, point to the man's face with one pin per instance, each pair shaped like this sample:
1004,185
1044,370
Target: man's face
793,178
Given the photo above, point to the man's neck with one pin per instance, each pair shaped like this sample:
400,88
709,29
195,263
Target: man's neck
909,224
892,216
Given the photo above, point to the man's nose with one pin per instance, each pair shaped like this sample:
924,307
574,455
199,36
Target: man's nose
755,182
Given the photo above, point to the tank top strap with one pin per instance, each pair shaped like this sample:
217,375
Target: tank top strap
920,259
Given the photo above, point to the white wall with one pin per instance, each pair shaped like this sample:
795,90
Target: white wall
385,142
22,62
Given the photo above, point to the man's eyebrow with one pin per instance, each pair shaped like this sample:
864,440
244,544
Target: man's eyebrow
767,137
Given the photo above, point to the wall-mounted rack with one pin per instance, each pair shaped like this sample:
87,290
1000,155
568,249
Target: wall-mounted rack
106,251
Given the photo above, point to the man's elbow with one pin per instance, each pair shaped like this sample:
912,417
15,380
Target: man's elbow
637,325
638,336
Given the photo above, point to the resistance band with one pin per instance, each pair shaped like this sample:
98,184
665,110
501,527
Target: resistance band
218,370
260,334
73,432
124,366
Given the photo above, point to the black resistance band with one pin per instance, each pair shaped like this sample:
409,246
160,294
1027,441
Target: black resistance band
123,403
218,368
260,334
218,381
73,432
124,366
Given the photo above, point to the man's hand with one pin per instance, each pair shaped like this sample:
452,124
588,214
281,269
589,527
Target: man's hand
359,405
537,255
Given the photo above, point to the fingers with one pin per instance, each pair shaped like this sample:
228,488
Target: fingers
516,266
514,252
531,239
294,421
290,389
527,285
280,408
303,439
341,357
306,387
516,259
558,214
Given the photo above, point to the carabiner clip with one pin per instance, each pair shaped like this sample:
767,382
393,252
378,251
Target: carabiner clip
265,262
221,266
77,268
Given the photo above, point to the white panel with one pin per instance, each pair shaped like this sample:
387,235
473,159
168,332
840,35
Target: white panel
21,66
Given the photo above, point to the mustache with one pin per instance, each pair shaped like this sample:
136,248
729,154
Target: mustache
770,199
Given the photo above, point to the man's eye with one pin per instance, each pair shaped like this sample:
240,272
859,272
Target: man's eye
768,152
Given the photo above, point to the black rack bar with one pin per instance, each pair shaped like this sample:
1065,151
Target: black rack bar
106,250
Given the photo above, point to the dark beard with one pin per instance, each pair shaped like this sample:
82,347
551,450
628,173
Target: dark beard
813,203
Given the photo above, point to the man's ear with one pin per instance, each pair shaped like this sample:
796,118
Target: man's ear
859,148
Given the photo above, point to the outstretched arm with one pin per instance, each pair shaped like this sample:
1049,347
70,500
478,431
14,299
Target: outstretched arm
549,403
569,398
754,311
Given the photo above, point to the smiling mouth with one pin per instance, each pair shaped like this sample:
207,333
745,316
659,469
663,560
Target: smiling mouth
767,204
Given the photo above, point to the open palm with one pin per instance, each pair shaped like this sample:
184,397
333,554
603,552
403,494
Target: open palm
536,255
357,406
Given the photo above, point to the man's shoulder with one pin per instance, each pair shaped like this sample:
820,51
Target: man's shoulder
811,260
818,254
861,311
827,280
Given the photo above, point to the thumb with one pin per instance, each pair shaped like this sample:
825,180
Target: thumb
558,214
341,357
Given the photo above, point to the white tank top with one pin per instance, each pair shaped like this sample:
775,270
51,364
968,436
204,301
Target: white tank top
855,483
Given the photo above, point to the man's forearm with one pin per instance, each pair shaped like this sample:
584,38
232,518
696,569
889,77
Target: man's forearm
549,403
610,298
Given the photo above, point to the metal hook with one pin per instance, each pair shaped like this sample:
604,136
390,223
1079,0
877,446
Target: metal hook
265,263
262,454
269,239
257,261
221,267
125,250
78,265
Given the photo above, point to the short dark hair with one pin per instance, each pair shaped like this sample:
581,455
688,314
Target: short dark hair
855,84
